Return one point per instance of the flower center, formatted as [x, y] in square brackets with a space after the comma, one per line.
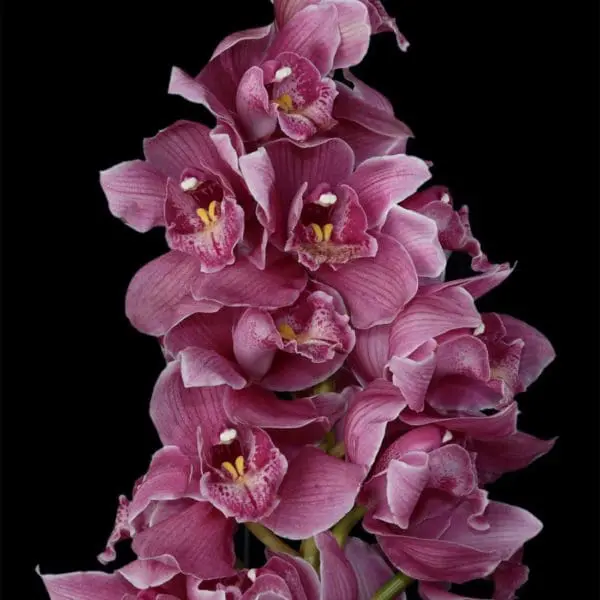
[235, 470]
[209, 217]
[285, 103]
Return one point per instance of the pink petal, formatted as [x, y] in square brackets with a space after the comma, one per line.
[355, 33]
[371, 353]
[499, 425]
[515, 452]
[144, 574]
[171, 476]
[205, 368]
[429, 316]
[260, 408]
[312, 33]
[239, 37]
[438, 591]
[292, 372]
[451, 470]
[268, 586]
[329, 161]
[177, 411]
[135, 191]
[280, 284]
[509, 577]
[255, 111]
[316, 493]
[476, 286]
[366, 421]
[412, 374]
[92, 585]
[375, 289]
[368, 94]
[381, 22]
[537, 353]
[406, 479]
[300, 577]
[384, 181]
[182, 145]
[198, 330]
[419, 235]
[255, 341]
[465, 355]
[286, 9]
[369, 567]
[338, 581]
[199, 539]
[159, 296]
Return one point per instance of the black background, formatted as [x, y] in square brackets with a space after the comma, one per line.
[501, 96]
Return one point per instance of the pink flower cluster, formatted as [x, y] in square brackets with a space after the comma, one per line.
[320, 369]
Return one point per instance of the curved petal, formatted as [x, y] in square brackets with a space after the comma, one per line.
[338, 581]
[451, 470]
[159, 296]
[292, 372]
[369, 567]
[355, 33]
[199, 539]
[371, 353]
[313, 33]
[317, 491]
[144, 574]
[430, 316]
[255, 341]
[499, 425]
[300, 577]
[241, 284]
[375, 289]
[135, 191]
[253, 105]
[260, 408]
[184, 144]
[92, 585]
[412, 375]
[537, 353]
[177, 411]
[419, 235]
[366, 421]
[205, 368]
[384, 181]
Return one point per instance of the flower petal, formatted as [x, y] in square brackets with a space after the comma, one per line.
[451, 470]
[355, 33]
[255, 341]
[375, 289]
[144, 574]
[371, 353]
[300, 577]
[177, 411]
[159, 296]
[366, 421]
[430, 316]
[205, 368]
[135, 191]
[369, 566]
[338, 581]
[384, 181]
[312, 33]
[317, 491]
[419, 235]
[241, 284]
[499, 425]
[412, 374]
[537, 353]
[199, 539]
[255, 111]
[268, 586]
[381, 22]
[92, 585]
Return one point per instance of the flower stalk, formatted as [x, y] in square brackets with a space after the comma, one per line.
[390, 590]
[269, 539]
[342, 529]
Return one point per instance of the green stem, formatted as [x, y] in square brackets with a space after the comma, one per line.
[338, 450]
[310, 553]
[389, 590]
[341, 530]
[269, 539]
